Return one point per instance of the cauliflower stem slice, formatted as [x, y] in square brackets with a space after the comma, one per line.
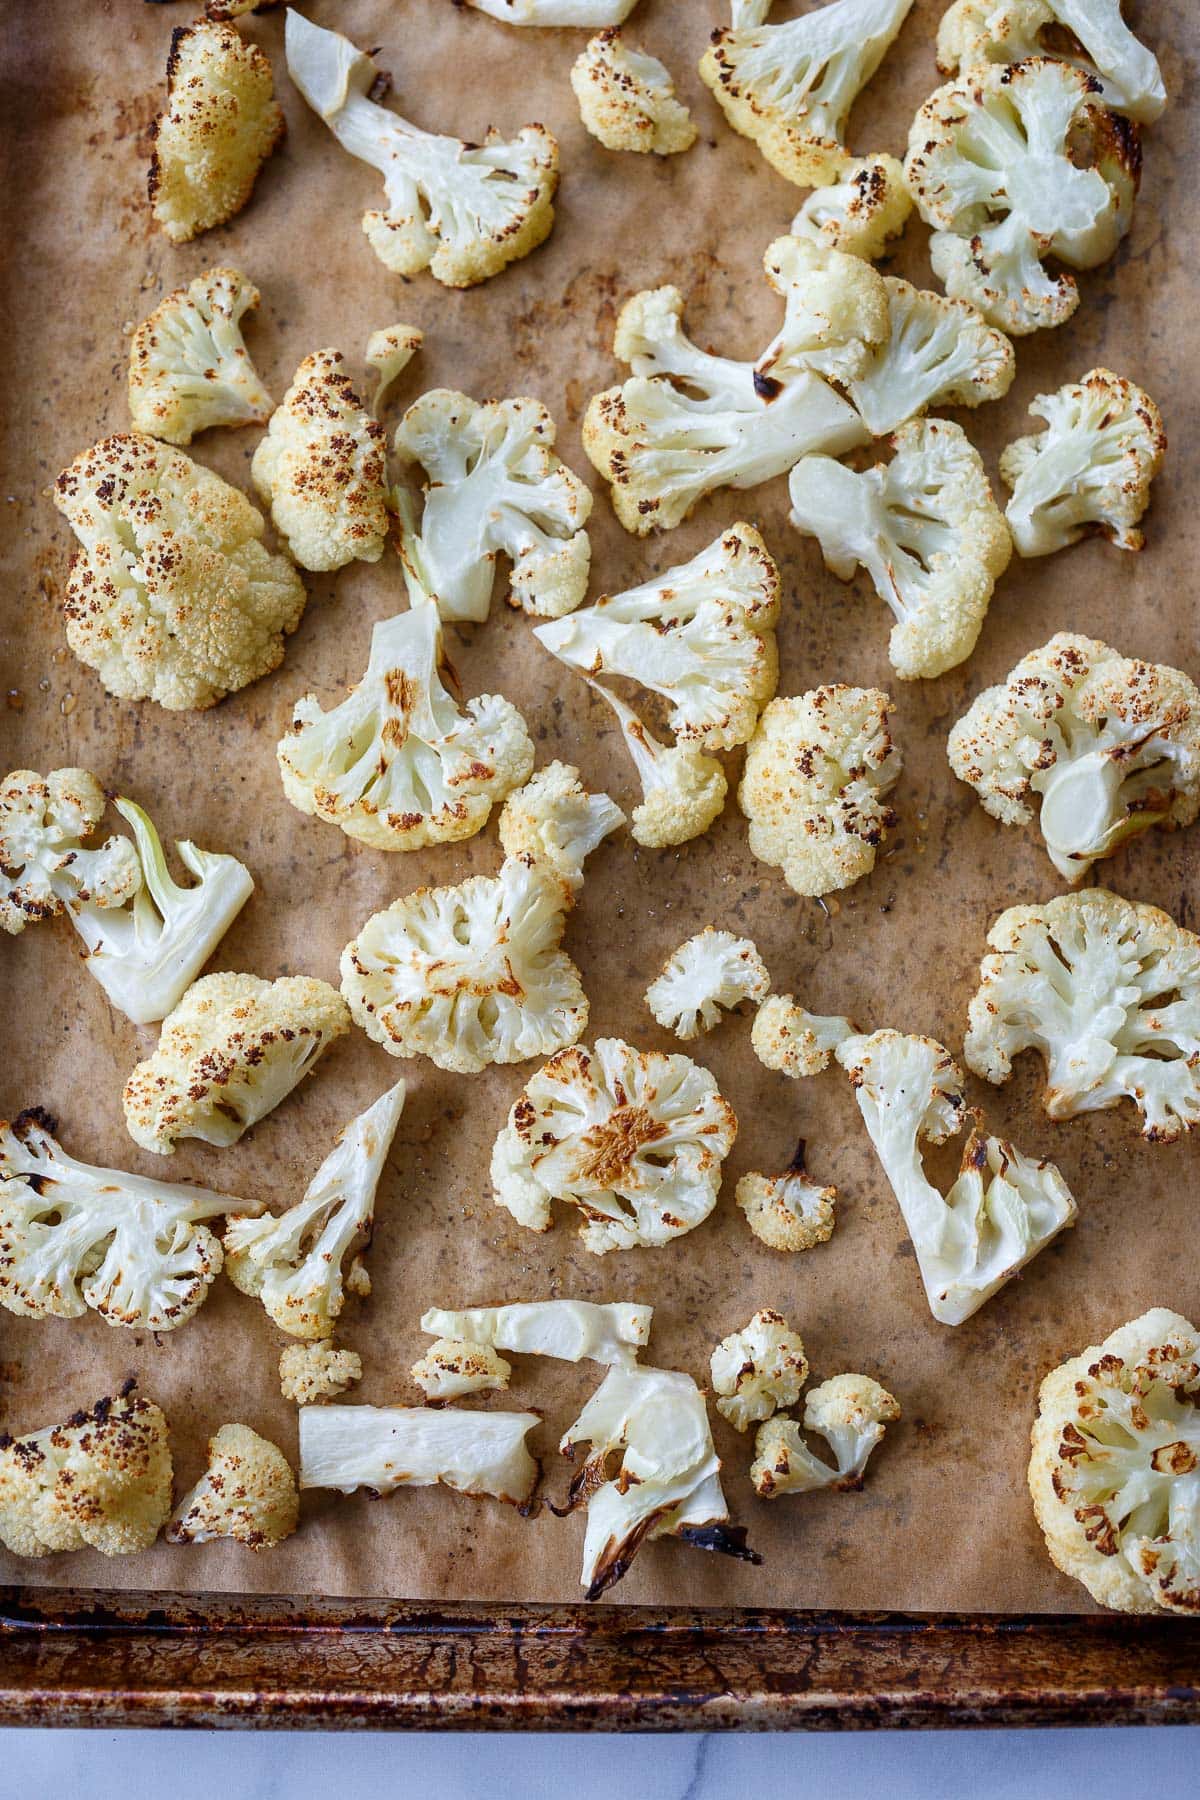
[567, 1329]
[381, 1448]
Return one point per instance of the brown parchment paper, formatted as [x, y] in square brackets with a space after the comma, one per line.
[943, 1521]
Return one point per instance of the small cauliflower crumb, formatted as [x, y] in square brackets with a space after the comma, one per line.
[790, 1211]
[312, 1372]
[711, 972]
[450, 1368]
[758, 1369]
[247, 1493]
[627, 98]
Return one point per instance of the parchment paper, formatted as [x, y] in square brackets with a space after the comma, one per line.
[943, 1521]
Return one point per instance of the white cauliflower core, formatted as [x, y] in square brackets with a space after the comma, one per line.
[790, 87]
[101, 1480]
[688, 422]
[817, 774]
[788, 1212]
[632, 1138]
[850, 1413]
[1090, 470]
[173, 596]
[1011, 164]
[1109, 993]
[1115, 1469]
[795, 1042]
[1002, 1209]
[45, 867]
[1098, 41]
[451, 1368]
[135, 1250]
[569, 1330]
[926, 530]
[701, 635]
[937, 352]
[554, 820]
[1104, 746]
[627, 98]
[757, 1370]
[861, 212]
[247, 1493]
[188, 366]
[469, 975]
[463, 211]
[494, 484]
[682, 789]
[398, 764]
[295, 1262]
[710, 973]
[668, 1483]
[386, 1447]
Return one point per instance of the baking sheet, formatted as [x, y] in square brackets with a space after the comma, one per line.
[943, 1521]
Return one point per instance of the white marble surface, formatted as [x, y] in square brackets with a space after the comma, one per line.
[992, 1765]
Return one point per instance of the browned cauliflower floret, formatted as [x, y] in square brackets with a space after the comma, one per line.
[789, 1211]
[627, 98]
[188, 366]
[44, 865]
[450, 1368]
[247, 1492]
[758, 1369]
[861, 212]
[173, 596]
[220, 124]
[311, 1372]
[102, 1479]
[797, 1043]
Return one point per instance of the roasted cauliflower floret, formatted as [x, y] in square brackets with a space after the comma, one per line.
[850, 1413]
[463, 211]
[627, 98]
[233, 1048]
[397, 764]
[101, 1481]
[236, 9]
[789, 1211]
[494, 484]
[554, 820]
[1011, 164]
[45, 867]
[569, 1330]
[295, 1262]
[1109, 993]
[1116, 1449]
[220, 123]
[925, 529]
[385, 1447]
[1090, 470]
[634, 1139]
[173, 596]
[389, 352]
[451, 1368]
[247, 1493]
[701, 635]
[682, 789]
[861, 212]
[790, 87]
[317, 1371]
[188, 366]
[1109, 745]
[1098, 41]
[757, 1370]
[472, 974]
[797, 1043]
[938, 352]
[817, 774]
[710, 973]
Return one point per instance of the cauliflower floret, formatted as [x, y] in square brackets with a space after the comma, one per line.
[102, 1481]
[72, 1236]
[758, 1369]
[495, 484]
[797, 1043]
[926, 530]
[463, 211]
[236, 9]
[247, 1493]
[397, 764]
[712, 971]
[850, 1413]
[220, 124]
[633, 1138]
[789, 1211]
[1110, 746]
[817, 773]
[173, 596]
[233, 1048]
[588, 13]
[668, 1483]
[451, 1368]
[790, 87]
[385, 1447]
[1013, 164]
[567, 1329]
[389, 352]
[627, 98]
[682, 790]
[472, 974]
[733, 424]
[1113, 1472]
[1090, 469]
[322, 468]
[293, 1262]
[938, 352]
[1007, 31]
[188, 366]
[701, 635]
[44, 865]
[554, 820]
[861, 212]
[1109, 992]
[312, 1372]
